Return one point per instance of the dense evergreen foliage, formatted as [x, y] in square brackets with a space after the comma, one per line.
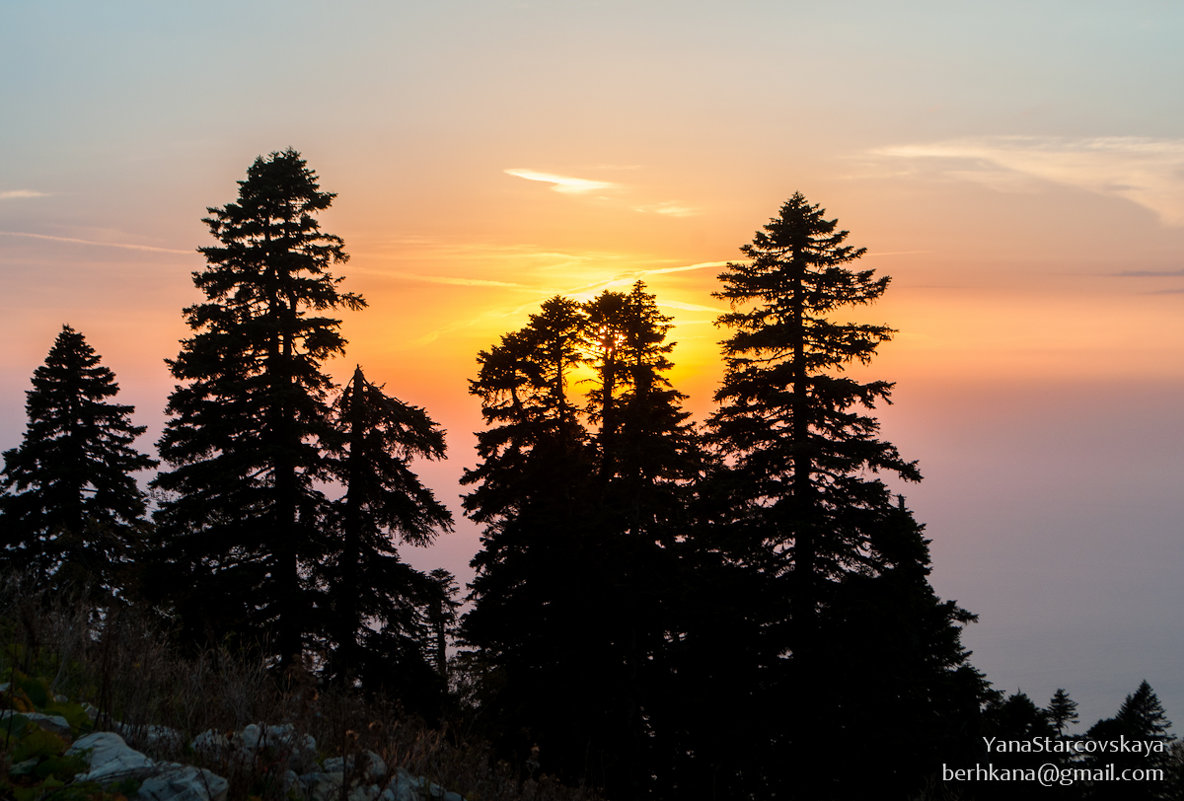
[573, 596]
[809, 517]
[250, 423]
[380, 606]
[739, 612]
[71, 513]
[1061, 710]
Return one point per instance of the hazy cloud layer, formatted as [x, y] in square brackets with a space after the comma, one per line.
[1149, 172]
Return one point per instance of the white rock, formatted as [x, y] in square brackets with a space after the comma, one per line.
[364, 793]
[249, 737]
[404, 787]
[109, 758]
[375, 768]
[322, 786]
[152, 736]
[210, 744]
[301, 749]
[54, 723]
[183, 783]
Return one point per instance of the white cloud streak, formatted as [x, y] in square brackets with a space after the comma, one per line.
[669, 209]
[94, 243]
[568, 185]
[17, 194]
[448, 280]
[562, 183]
[1148, 172]
[548, 286]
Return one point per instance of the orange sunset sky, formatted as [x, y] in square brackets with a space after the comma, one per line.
[1017, 168]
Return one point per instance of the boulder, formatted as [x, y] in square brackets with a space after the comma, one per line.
[54, 723]
[152, 737]
[367, 793]
[321, 786]
[405, 787]
[211, 745]
[110, 759]
[183, 783]
[372, 765]
[298, 750]
[301, 749]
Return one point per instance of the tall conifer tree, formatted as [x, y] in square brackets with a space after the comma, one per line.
[71, 512]
[531, 492]
[648, 459]
[1062, 710]
[574, 593]
[250, 420]
[1140, 718]
[804, 507]
[647, 449]
[380, 606]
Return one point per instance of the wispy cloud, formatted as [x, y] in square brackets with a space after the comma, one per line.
[16, 194]
[1148, 172]
[676, 304]
[668, 209]
[569, 185]
[449, 280]
[562, 183]
[1150, 274]
[96, 243]
[544, 273]
[878, 253]
[703, 265]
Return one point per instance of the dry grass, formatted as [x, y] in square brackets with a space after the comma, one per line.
[123, 664]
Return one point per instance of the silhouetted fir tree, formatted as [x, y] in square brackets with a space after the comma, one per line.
[894, 671]
[442, 616]
[573, 594]
[1172, 788]
[647, 450]
[1141, 717]
[71, 513]
[532, 492]
[799, 492]
[1016, 717]
[709, 713]
[374, 598]
[1013, 718]
[1062, 710]
[648, 457]
[246, 442]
